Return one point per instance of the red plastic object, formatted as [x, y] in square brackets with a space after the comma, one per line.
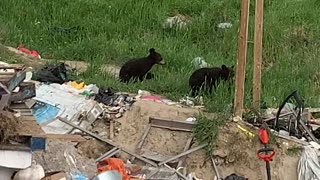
[266, 158]
[263, 136]
[24, 50]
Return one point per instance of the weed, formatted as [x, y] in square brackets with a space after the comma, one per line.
[206, 131]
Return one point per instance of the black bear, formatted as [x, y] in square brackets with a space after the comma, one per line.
[138, 68]
[208, 78]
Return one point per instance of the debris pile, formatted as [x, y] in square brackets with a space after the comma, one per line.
[291, 120]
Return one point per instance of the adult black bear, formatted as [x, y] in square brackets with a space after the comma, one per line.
[208, 78]
[138, 68]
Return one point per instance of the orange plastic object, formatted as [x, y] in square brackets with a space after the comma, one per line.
[113, 164]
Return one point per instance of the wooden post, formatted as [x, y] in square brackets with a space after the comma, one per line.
[242, 55]
[258, 32]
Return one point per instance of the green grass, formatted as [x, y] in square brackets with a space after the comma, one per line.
[105, 31]
[101, 32]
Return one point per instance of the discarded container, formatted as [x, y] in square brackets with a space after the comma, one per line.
[199, 62]
[76, 85]
[108, 175]
[224, 25]
[34, 172]
[144, 93]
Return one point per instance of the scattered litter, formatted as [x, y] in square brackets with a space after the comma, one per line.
[108, 175]
[289, 120]
[192, 176]
[76, 85]
[248, 133]
[224, 25]
[191, 119]
[32, 53]
[233, 176]
[237, 119]
[191, 102]
[70, 104]
[144, 93]
[178, 21]
[34, 172]
[309, 167]
[151, 98]
[52, 74]
[75, 173]
[113, 164]
[199, 62]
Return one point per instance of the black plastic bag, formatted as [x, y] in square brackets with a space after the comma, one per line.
[52, 74]
[233, 176]
[105, 96]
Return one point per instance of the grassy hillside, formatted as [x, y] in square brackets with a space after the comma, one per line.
[112, 31]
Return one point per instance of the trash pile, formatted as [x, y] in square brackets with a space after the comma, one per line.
[290, 121]
[46, 105]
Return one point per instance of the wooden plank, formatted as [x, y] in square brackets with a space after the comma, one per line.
[7, 76]
[242, 56]
[142, 140]
[258, 33]
[182, 160]
[13, 66]
[183, 154]
[27, 91]
[5, 96]
[16, 80]
[18, 106]
[171, 124]
[15, 147]
[66, 137]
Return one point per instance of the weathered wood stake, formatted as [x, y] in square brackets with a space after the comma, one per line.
[242, 55]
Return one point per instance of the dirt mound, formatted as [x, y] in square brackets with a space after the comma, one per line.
[8, 125]
[236, 153]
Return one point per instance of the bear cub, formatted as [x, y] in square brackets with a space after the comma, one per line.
[208, 78]
[137, 69]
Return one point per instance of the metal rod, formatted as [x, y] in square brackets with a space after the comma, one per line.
[182, 154]
[108, 141]
[143, 138]
[106, 154]
[186, 148]
[181, 175]
[215, 168]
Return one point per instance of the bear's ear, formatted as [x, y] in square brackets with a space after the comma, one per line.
[223, 67]
[232, 67]
[152, 50]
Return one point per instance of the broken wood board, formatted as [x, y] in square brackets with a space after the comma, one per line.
[66, 137]
[13, 66]
[171, 124]
[27, 91]
[16, 80]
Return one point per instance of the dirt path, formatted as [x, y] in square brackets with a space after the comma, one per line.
[81, 66]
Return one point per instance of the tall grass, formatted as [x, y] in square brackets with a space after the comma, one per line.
[112, 31]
